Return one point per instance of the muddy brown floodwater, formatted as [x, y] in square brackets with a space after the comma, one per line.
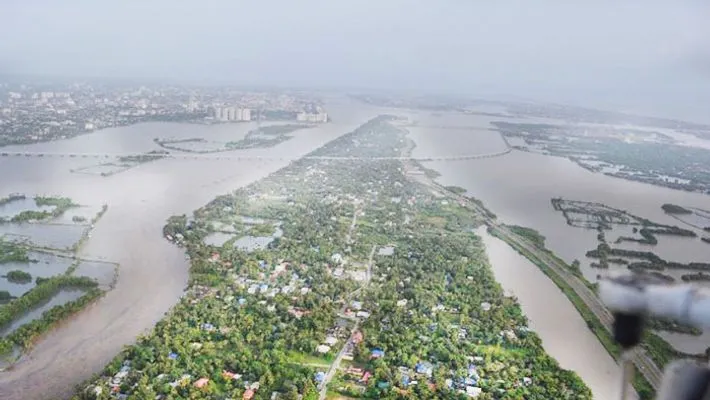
[518, 186]
[152, 273]
[564, 334]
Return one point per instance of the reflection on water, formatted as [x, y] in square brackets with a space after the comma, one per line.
[61, 237]
[63, 297]
[251, 243]
[14, 207]
[47, 265]
[77, 215]
[217, 239]
[246, 243]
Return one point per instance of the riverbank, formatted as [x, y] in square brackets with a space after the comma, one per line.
[424, 310]
[644, 389]
[564, 332]
[153, 272]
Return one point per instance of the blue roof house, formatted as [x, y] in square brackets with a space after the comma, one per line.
[424, 368]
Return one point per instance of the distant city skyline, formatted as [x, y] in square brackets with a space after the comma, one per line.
[649, 57]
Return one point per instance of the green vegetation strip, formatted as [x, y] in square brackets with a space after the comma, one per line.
[60, 204]
[44, 291]
[13, 253]
[433, 300]
[644, 389]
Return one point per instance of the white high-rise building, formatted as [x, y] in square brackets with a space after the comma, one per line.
[231, 114]
[246, 114]
[239, 114]
[312, 117]
[218, 113]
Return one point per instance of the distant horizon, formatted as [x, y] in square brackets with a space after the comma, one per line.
[489, 95]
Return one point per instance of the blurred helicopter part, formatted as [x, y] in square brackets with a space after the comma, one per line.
[642, 294]
[685, 380]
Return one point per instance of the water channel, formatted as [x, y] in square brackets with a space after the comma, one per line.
[152, 272]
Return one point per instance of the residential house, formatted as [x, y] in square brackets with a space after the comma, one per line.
[424, 368]
[202, 382]
[377, 353]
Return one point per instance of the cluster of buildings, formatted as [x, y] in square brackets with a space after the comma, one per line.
[267, 286]
[232, 114]
[318, 117]
[39, 112]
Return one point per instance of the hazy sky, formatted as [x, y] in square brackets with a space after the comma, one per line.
[649, 55]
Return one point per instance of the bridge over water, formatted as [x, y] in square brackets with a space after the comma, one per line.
[236, 157]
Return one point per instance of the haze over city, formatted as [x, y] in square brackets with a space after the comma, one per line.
[341, 200]
[640, 56]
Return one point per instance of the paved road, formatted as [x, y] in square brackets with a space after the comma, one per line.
[641, 360]
[336, 364]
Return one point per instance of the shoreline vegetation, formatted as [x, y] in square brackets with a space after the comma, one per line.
[643, 388]
[60, 204]
[627, 153]
[658, 349]
[321, 298]
[14, 344]
[675, 209]
[124, 163]
[11, 252]
[46, 288]
[262, 137]
[601, 217]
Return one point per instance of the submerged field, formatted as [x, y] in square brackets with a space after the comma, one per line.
[42, 281]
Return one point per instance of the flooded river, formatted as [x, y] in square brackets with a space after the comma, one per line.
[152, 273]
[518, 187]
[564, 333]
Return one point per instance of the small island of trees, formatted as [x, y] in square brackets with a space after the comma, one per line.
[675, 209]
[17, 276]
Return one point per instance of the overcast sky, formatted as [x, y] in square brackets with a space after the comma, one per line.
[650, 56]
